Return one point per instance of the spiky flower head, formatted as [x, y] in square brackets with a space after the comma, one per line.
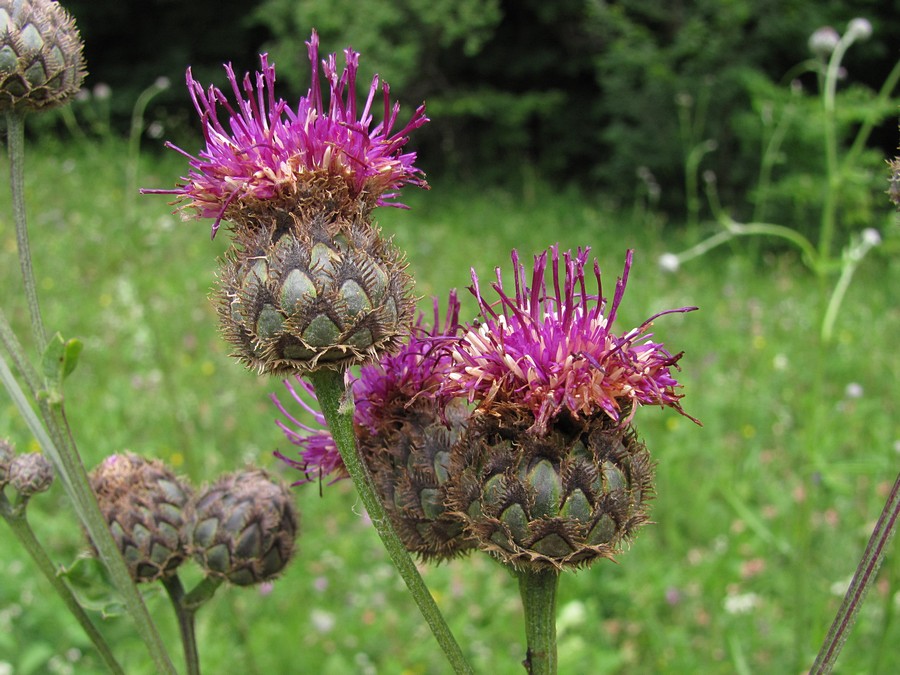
[550, 350]
[41, 61]
[263, 155]
[244, 527]
[562, 499]
[549, 473]
[30, 473]
[301, 295]
[145, 506]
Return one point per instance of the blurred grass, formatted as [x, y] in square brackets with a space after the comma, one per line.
[760, 517]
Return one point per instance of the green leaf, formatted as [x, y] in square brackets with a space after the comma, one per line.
[60, 358]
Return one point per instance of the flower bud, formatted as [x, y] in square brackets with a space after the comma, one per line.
[823, 41]
[41, 62]
[244, 528]
[859, 29]
[144, 504]
[894, 182]
[7, 452]
[301, 295]
[30, 473]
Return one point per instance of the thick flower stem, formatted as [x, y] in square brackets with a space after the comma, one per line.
[329, 389]
[538, 591]
[15, 517]
[15, 133]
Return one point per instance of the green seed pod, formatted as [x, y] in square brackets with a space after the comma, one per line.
[244, 528]
[145, 505]
[7, 452]
[41, 61]
[409, 460]
[554, 501]
[305, 295]
[30, 473]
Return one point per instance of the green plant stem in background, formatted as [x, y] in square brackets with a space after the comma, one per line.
[18, 522]
[61, 452]
[134, 138]
[538, 591]
[863, 579]
[53, 433]
[330, 391]
[15, 131]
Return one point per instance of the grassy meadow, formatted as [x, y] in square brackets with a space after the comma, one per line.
[761, 514]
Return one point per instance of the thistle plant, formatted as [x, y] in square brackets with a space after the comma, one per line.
[309, 285]
[513, 434]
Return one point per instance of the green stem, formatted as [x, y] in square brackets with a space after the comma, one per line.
[330, 390]
[18, 522]
[829, 97]
[538, 591]
[15, 136]
[186, 622]
[61, 450]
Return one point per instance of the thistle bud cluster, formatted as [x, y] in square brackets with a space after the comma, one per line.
[241, 529]
[28, 473]
[309, 282]
[513, 434]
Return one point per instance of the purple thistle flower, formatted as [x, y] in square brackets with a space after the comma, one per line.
[319, 456]
[416, 370]
[267, 153]
[550, 351]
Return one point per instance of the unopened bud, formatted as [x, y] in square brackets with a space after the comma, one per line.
[859, 29]
[30, 474]
[144, 504]
[7, 452]
[823, 41]
[41, 62]
[243, 528]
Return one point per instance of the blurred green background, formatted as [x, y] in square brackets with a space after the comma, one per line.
[543, 116]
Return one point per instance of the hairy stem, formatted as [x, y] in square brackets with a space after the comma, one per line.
[538, 591]
[329, 389]
[863, 579]
[15, 135]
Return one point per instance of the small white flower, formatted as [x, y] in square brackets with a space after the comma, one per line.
[669, 262]
[780, 362]
[854, 390]
[859, 29]
[322, 621]
[871, 236]
[741, 604]
[823, 41]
